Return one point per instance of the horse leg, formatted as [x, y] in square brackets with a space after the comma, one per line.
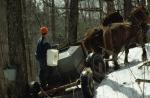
[106, 56]
[126, 54]
[144, 55]
[116, 65]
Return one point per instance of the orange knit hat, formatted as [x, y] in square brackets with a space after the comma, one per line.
[44, 30]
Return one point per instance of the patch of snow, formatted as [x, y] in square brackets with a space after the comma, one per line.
[121, 83]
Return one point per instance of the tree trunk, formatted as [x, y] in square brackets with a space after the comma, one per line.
[73, 21]
[127, 8]
[89, 13]
[16, 42]
[101, 9]
[3, 48]
[110, 6]
[46, 17]
[53, 21]
[30, 35]
[143, 2]
[148, 4]
[66, 17]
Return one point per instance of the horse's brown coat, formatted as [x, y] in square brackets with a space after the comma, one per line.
[117, 35]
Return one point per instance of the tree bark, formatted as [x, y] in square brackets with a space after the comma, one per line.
[3, 48]
[66, 17]
[89, 13]
[73, 21]
[101, 11]
[148, 4]
[30, 27]
[143, 2]
[127, 8]
[53, 31]
[110, 6]
[16, 42]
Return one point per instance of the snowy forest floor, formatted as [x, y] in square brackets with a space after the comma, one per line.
[122, 83]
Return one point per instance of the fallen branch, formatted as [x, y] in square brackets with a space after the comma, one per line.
[142, 80]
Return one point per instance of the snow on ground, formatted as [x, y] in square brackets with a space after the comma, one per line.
[121, 83]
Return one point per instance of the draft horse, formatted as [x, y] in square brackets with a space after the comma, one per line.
[139, 18]
[110, 40]
[94, 37]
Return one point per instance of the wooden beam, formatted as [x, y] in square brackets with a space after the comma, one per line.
[58, 89]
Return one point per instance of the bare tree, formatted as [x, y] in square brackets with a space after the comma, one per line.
[148, 4]
[46, 14]
[73, 21]
[17, 51]
[101, 11]
[127, 8]
[66, 16]
[53, 20]
[143, 2]
[3, 48]
[31, 26]
[89, 13]
[110, 6]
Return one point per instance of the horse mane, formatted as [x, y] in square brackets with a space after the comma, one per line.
[90, 31]
[138, 9]
[138, 15]
[90, 36]
[114, 17]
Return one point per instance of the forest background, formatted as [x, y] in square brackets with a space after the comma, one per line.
[67, 21]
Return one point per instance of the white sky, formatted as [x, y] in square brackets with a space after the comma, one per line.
[57, 2]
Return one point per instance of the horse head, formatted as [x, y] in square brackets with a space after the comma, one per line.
[93, 40]
[139, 16]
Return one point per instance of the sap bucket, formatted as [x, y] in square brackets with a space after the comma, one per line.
[52, 57]
[10, 74]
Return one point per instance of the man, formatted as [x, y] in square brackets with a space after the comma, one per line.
[43, 45]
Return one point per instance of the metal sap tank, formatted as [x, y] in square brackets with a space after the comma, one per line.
[69, 63]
